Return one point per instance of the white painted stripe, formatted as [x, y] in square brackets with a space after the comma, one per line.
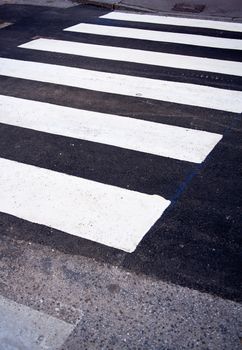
[140, 135]
[137, 56]
[176, 21]
[22, 328]
[194, 95]
[153, 35]
[102, 213]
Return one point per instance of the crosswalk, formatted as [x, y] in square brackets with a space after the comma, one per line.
[152, 35]
[76, 204]
[193, 95]
[175, 21]
[138, 56]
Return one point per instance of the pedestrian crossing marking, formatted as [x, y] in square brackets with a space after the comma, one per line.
[176, 21]
[102, 213]
[183, 93]
[158, 36]
[137, 56]
[135, 134]
[107, 214]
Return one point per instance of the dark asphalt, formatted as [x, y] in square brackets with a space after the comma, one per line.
[196, 243]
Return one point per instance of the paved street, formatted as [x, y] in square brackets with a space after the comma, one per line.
[120, 182]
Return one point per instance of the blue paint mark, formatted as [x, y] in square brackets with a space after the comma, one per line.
[183, 186]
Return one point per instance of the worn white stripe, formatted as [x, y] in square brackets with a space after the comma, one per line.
[102, 213]
[22, 328]
[140, 135]
[153, 35]
[194, 95]
[137, 56]
[176, 21]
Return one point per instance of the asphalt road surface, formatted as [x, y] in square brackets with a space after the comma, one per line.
[120, 156]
